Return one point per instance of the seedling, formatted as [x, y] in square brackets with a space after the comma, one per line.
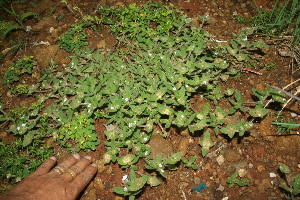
[292, 182]
[7, 27]
[233, 179]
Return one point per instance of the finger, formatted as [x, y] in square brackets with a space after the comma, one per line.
[45, 167]
[62, 167]
[84, 177]
[74, 170]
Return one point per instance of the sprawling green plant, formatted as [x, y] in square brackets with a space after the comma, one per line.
[74, 38]
[143, 89]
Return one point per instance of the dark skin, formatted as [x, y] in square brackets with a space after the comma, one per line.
[65, 182]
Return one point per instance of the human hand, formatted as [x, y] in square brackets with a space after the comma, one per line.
[64, 182]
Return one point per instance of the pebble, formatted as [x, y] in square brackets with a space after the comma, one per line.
[221, 188]
[294, 114]
[260, 168]
[272, 175]
[220, 159]
[242, 173]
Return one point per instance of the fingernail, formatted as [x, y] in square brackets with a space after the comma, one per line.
[52, 158]
[76, 156]
[94, 165]
[88, 157]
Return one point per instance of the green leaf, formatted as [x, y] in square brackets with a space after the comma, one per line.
[206, 143]
[284, 168]
[153, 181]
[118, 190]
[8, 29]
[128, 159]
[258, 111]
[28, 139]
[174, 158]
[229, 130]
[27, 15]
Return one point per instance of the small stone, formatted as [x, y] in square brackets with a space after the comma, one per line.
[220, 159]
[221, 188]
[250, 165]
[285, 52]
[260, 168]
[294, 114]
[242, 172]
[51, 29]
[272, 175]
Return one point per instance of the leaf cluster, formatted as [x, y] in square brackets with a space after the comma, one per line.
[292, 183]
[75, 38]
[22, 66]
[233, 179]
[18, 161]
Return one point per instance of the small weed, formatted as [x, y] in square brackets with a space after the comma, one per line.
[233, 179]
[74, 38]
[17, 161]
[284, 20]
[285, 127]
[269, 66]
[7, 27]
[22, 66]
[292, 182]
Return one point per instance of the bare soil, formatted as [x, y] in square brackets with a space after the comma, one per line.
[257, 154]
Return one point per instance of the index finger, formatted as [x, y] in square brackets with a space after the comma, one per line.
[45, 167]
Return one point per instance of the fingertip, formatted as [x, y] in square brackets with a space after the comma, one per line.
[53, 158]
[94, 165]
[46, 166]
[76, 156]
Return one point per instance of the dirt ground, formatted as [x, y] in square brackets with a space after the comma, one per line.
[256, 155]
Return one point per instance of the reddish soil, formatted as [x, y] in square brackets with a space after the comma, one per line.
[258, 154]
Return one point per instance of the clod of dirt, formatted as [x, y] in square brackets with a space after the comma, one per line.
[98, 183]
[90, 194]
[290, 144]
[159, 145]
[264, 185]
[183, 145]
[45, 24]
[101, 166]
[231, 155]
[44, 54]
[101, 44]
